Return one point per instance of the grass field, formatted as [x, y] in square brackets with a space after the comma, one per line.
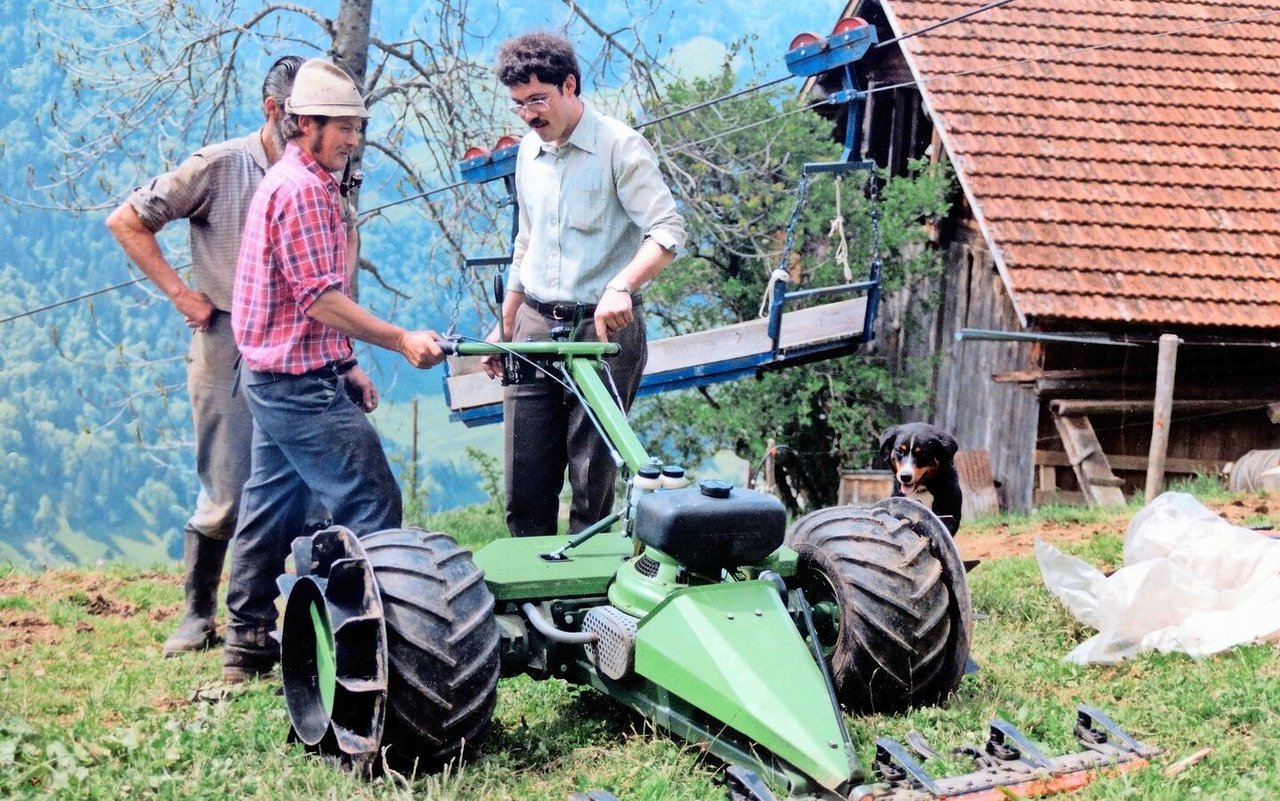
[89, 710]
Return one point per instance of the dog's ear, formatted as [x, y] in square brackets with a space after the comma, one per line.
[948, 443]
[887, 439]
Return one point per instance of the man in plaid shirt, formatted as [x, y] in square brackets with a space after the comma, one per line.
[294, 322]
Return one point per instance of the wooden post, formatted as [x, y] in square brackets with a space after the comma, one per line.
[1166, 367]
[770, 468]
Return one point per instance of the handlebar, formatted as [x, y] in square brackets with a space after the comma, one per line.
[532, 350]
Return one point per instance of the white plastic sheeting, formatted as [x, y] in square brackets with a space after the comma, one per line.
[1191, 582]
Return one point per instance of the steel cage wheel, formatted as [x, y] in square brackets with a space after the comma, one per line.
[333, 656]
[308, 666]
[389, 648]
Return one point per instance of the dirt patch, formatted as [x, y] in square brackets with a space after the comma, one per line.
[76, 582]
[59, 582]
[23, 629]
[1018, 539]
[168, 704]
[1003, 540]
[167, 612]
[1250, 508]
[100, 605]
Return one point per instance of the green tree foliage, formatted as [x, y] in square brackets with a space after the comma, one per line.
[739, 186]
[95, 442]
[87, 428]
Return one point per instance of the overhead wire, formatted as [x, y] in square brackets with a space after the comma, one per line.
[733, 95]
[672, 115]
[943, 23]
[712, 102]
[69, 301]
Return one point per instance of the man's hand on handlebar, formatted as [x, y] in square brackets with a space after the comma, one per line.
[420, 348]
[492, 364]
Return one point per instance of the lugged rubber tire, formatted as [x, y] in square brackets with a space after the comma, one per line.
[442, 647]
[900, 636]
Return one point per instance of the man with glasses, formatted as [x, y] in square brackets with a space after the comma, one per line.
[597, 221]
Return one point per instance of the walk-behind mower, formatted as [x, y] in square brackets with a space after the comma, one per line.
[694, 605]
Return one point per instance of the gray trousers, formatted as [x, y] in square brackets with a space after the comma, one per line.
[223, 429]
[547, 432]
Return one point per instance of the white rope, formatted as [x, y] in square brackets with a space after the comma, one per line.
[837, 233]
[774, 277]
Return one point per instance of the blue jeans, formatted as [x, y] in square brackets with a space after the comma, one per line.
[307, 433]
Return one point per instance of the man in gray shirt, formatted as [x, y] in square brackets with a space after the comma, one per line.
[597, 221]
[211, 190]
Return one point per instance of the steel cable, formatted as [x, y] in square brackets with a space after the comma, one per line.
[704, 104]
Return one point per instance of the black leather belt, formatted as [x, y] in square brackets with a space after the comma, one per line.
[561, 312]
[340, 367]
[564, 312]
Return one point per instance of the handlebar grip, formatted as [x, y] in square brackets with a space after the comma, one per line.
[530, 350]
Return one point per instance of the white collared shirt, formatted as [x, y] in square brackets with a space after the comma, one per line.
[585, 209]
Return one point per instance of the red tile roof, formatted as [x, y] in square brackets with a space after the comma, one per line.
[1122, 156]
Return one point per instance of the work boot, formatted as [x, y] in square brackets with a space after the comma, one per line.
[248, 654]
[202, 559]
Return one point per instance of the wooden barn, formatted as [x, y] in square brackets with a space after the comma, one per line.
[1119, 162]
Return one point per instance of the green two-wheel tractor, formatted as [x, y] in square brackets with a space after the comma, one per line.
[696, 606]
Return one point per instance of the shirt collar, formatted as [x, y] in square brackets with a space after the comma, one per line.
[585, 134]
[293, 151]
[253, 143]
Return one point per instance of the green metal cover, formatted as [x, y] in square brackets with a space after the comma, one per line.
[733, 651]
[326, 661]
[514, 570]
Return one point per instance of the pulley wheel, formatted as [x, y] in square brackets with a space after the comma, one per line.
[803, 40]
[848, 24]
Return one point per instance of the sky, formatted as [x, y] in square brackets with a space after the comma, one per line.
[695, 31]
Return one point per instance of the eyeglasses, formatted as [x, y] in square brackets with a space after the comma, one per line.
[536, 106]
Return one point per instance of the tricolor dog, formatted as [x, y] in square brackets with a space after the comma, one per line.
[921, 456]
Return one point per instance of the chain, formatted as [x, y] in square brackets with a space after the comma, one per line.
[457, 301]
[873, 194]
[802, 193]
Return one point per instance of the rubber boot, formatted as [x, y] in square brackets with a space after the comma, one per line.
[248, 654]
[202, 557]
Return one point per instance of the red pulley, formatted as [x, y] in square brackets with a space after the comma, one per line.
[506, 141]
[475, 151]
[848, 24]
[803, 40]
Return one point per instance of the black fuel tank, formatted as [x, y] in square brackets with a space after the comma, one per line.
[712, 526]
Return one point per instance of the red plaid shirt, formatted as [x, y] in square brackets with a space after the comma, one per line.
[294, 249]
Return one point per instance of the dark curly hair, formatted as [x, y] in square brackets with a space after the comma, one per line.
[548, 57]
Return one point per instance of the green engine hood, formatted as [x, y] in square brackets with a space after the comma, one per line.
[733, 651]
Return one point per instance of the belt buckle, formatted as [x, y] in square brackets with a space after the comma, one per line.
[561, 313]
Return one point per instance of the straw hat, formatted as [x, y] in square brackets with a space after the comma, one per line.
[323, 89]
